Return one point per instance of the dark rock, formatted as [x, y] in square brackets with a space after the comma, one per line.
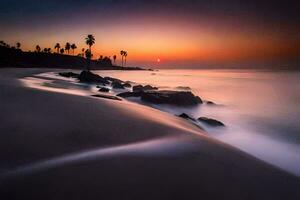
[89, 77]
[139, 88]
[107, 97]
[183, 88]
[186, 116]
[130, 94]
[117, 85]
[130, 82]
[113, 79]
[210, 103]
[103, 89]
[69, 74]
[179, 98]
[127, 85]
[149, 87]
[211, 122]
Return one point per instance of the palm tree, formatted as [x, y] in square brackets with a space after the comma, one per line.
[88, 55]
[90, 41]
[68, 47]
[115, 57]
[62, 51]
[122, 52]
[38, 48]
[18, 45]
[57, 46]
[82, 51]
[125, 55]
[73, 47]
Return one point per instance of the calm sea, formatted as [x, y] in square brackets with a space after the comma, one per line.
[261, 109]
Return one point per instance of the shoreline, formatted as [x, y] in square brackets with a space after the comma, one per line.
[41, 125]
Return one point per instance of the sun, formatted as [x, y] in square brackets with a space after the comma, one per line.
[158, 60]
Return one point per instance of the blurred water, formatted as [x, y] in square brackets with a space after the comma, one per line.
[261, 109]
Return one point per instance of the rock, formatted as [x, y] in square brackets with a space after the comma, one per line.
[89, 77]
[186, 116]
[129, 94]
[183, 88]
[117, 85]
[179, 98]
[139, 88]
[107, 97]
[211, 122]
[103, 89]
[69, 74]
[113, 79]
[127, 85]
[210, 103]
[149, 87]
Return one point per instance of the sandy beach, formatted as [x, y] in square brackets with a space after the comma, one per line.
[64, 146]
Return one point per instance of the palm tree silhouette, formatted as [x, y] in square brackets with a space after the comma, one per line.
[88, 55]
[57, 46]
[122, 52]
[62, 51]
[38, 48]
[115, 57]
[82, 51]
[90, 41]
[125, 55]
[18, 45]
[68, 47]
[73, 47]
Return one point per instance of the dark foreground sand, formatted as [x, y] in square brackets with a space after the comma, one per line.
[62, 146]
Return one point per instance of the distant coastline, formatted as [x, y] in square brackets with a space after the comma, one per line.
[16, 58]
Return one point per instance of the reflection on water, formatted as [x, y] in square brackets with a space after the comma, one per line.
[261, 110]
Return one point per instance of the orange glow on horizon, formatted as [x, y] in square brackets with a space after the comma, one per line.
[172, 43]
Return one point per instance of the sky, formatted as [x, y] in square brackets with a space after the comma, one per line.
[181, 34]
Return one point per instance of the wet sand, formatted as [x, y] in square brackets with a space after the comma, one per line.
[65, 146]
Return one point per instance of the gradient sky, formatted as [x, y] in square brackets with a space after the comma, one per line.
[190, 33]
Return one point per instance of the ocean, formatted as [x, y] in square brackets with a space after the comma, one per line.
[261, 109]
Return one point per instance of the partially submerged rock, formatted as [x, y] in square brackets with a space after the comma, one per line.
[128, 85]
[113, 79]
[186, 116]
[89, 77]
[139, 88]
[179, 98]
[129, 94]
[183, 88]
[68, 74]
[103, 89]
[107, 97]
[210, 103]
[117, 85]
[211, 122]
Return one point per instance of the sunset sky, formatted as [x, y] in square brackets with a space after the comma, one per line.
[190, 33]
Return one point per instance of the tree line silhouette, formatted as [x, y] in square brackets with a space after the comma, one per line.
[87, 53]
